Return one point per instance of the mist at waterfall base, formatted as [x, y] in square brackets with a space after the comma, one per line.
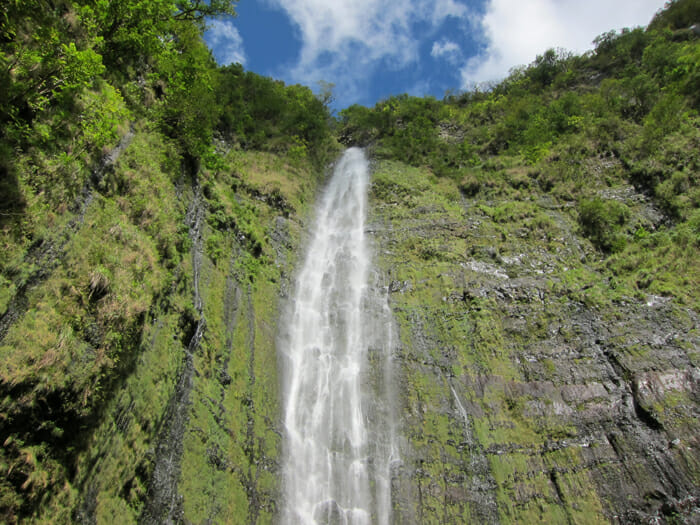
[336, 360]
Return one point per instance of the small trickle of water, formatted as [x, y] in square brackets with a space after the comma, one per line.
[338, 416]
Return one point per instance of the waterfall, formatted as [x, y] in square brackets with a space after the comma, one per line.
[339, 427]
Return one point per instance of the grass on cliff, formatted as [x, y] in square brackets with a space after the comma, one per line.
[611, 137]
[483, 279]
[232, 447]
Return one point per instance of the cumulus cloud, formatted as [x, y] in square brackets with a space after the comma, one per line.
[345, 41]
[516, 31]
[226, 42]
[446, 49]
[447, 8]
[353, 42]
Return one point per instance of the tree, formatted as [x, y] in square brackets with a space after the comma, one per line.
[677, 14]
[325, 92]
[199, 10]
[546, 67]
[135, 30]
[43, 54]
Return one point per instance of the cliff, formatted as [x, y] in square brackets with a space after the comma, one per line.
[532, 391]
[539, 243]
[138, 356]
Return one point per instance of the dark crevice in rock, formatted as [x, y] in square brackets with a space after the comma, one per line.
[274, 199]
[646, 416]
[251, 481]
[554, 479]
[163, 502]
[45, 256]
[420, 474]
[643, 415]
[87, 512]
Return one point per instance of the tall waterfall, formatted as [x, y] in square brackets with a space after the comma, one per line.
[336, 362]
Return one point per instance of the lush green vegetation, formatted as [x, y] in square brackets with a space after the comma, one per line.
[113, 113]
[76, 76]
[115, 117]
[580, 128]
[75, 73]
[545, 225]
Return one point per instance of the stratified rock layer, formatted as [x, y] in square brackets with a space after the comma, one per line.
[531, 390]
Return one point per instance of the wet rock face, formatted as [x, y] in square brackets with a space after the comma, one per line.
[164, 503]
[530, 393]
[147, 392]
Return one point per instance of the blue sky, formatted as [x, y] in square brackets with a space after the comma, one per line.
[371, 49]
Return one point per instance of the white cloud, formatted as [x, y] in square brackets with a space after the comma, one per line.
[226, 42]
[348, 42]
[447, 50]
[345, 41]
[516, 31]
[446, 8]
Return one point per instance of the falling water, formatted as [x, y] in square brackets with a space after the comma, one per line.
[337, 367]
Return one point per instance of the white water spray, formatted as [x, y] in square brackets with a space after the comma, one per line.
[338, 416]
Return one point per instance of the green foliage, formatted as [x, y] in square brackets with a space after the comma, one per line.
[52, 52]
[663, 119]
[102, 113]
[632, 103]
[264, 114]
[134, 31]
[601, 221]
[106, 279]
[359, 124]
[41, 61]
[188, 110]
[677, 14]
[414, 140]
[674, 192]
[616, 51]
[547, 66]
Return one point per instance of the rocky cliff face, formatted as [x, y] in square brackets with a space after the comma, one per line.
[532, 391]
[139, 368]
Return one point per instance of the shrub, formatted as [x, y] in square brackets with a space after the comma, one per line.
[470, 185]
[601, 221]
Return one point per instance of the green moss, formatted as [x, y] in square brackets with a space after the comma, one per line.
[480, 239]
[233, 443]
